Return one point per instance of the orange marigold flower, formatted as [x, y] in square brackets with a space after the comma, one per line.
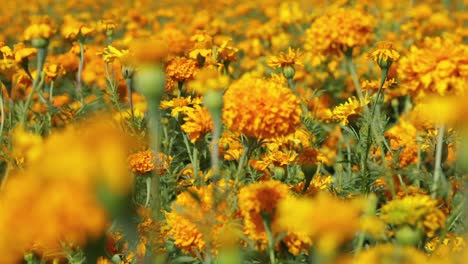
[181, 68]
[261, 108]
[196, 219]
[346, 111]
[438, 66]
[145, 161]
[285, 59]
[257, 199]
[339, 30]
[384, 55]
[197, 122]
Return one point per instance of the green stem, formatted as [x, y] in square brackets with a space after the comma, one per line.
[217, 127]
[271, 239]
[438, 160]
[155, 138]
[51, 91]
[148, 191]
[130, 97]
[364, 159]
[41, 55]
[293, 88]
[80, 67]
[247, 151]
[352, 71]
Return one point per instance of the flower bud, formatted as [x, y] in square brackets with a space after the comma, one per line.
[288, 72]
[213, 100]
[149, 81]
[39, 43]
[407, 236]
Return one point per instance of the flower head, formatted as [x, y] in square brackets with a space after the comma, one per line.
[145, 161]
[384, 55]
[339, 30]
[260, 108]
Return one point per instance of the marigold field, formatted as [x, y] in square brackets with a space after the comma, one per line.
[233, 131]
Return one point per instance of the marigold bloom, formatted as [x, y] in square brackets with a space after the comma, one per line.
[67, 213]
[451, 244]
[419, 211]
[285, 59]
[181, 69]
[339, 30]
[389, 253]
[196, 219]
[197, 122]
[257, 199]
[384, 55]
[35, 31]
[145, 161]
[260, 108]
[208, 79]
[110, 53]
[73, 29]
[351, 108]
[438, 66]
[327, 220]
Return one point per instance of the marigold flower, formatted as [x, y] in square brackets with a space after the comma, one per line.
[384, 55]
[438, 66]
[181, 69]
[327, 220]
[110, 53]
[145, 161]
[36, 31]
[260, 108]
[196, 219]
[285, 59]
[351, 108]
[208, 79]
[339, 30]
[419, 211]
[73, 29]
[389, 253]
[180, 104]
[257, 199]
[197, 122]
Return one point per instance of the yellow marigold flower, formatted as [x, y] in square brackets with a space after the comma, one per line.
[403, 134]
[196, 219]
[327, 220]
[144, 51]
[22, 53]
[180, 104]
[227, 53]
[74, 29]
[339, 30]
[373, 226]
[367, 85]
[449, 245]
[27, 146]
[420, 211]
[348, 110]
[208, 79]
[310, 156]
[319, 183]
[260, 108]
[202, 46]
[290, 12]
[145, 161]
[389, 253]
[197, 122]
[230, 146]
[181, 69]
[285, 59]
[257, 199]
[36, 31]
[384, 55]
[438, 66]
[54, 205]
[110, 53]
[52, 71]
